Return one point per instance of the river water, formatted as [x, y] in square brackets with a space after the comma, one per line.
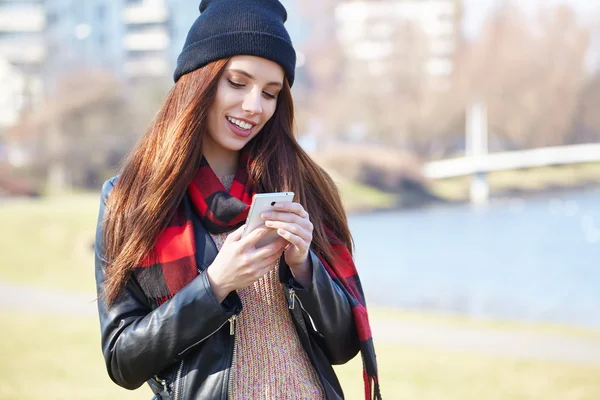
[533, 260]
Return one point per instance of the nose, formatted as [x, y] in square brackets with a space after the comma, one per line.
[252, 102]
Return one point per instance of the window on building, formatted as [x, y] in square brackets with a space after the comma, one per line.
[144, 54]
[144, 27]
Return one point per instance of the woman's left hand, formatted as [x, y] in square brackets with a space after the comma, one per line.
[292, 223]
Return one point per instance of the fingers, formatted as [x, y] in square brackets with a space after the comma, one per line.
[291, 207]
[291, 228]
[262, 266]
[274, 248]
[295, 240]
[288, 217]
[292, 223]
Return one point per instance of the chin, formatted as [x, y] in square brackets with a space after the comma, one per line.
[235, 145]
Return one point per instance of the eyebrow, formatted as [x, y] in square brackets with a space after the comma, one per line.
[241, 71]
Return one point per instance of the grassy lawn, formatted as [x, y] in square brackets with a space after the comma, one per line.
[59, 358]
[359, 197]
[48, 241]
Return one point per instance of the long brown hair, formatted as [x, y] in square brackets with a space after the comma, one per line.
[156, 174]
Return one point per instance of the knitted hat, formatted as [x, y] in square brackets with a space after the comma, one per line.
[227, 28]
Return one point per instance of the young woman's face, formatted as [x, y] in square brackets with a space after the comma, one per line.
[246, 99]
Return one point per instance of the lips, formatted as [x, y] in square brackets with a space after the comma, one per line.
[238, 131]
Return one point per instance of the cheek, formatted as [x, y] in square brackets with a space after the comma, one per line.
[269, 109]
[225, 98]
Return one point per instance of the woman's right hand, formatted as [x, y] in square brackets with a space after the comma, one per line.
[239, 263]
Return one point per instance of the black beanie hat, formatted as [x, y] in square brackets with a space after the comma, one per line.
[227, 28]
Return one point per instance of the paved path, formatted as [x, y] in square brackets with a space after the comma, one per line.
[15, 297]
[511, 343]
[541, 346]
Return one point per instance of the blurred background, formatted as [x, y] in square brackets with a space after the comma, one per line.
[463, 134]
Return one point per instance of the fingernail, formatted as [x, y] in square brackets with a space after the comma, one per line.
[265, 215]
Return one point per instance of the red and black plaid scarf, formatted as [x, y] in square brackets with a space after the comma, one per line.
[343, 272]
[172, 263]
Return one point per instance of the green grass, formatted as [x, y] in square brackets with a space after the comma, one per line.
[432, 374]
[357, 197]
[48, 241]
[59, 358]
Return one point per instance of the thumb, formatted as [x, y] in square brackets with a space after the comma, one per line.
[236, 235]
[253, 237]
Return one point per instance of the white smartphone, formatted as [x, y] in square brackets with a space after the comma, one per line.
[262, 202]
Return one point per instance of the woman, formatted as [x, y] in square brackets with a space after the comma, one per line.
[186, 303]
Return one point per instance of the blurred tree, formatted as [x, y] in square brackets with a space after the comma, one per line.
[586, 125]
[531, 74]
[393, 99]
[84, 129]
[323, 68]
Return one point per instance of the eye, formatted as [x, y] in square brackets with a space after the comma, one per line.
[269, 95]
[235, 84]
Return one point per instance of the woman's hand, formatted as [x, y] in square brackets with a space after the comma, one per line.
[292, 223]
[239, 263]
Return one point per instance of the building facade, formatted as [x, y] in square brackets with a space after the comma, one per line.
[12, 99]
[82, 35]
[22, 50]
[147, 38]
[385, 33]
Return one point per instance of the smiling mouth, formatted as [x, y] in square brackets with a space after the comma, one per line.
[240, 124]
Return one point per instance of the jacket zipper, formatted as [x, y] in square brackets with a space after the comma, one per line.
[177, 379]
[232, 333]
[292, 304]
[231, 320]
[203, 339]
[163, 382]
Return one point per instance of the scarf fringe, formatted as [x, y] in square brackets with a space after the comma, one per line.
[377, 391]
[372, 390]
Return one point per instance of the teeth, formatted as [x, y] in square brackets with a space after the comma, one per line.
[241, 124]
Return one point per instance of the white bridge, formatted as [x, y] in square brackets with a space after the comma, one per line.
[470, 165]
[478, 161]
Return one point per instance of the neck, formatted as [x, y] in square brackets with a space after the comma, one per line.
[222, 162]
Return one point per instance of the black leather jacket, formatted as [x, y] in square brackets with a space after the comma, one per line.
[185, 346]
